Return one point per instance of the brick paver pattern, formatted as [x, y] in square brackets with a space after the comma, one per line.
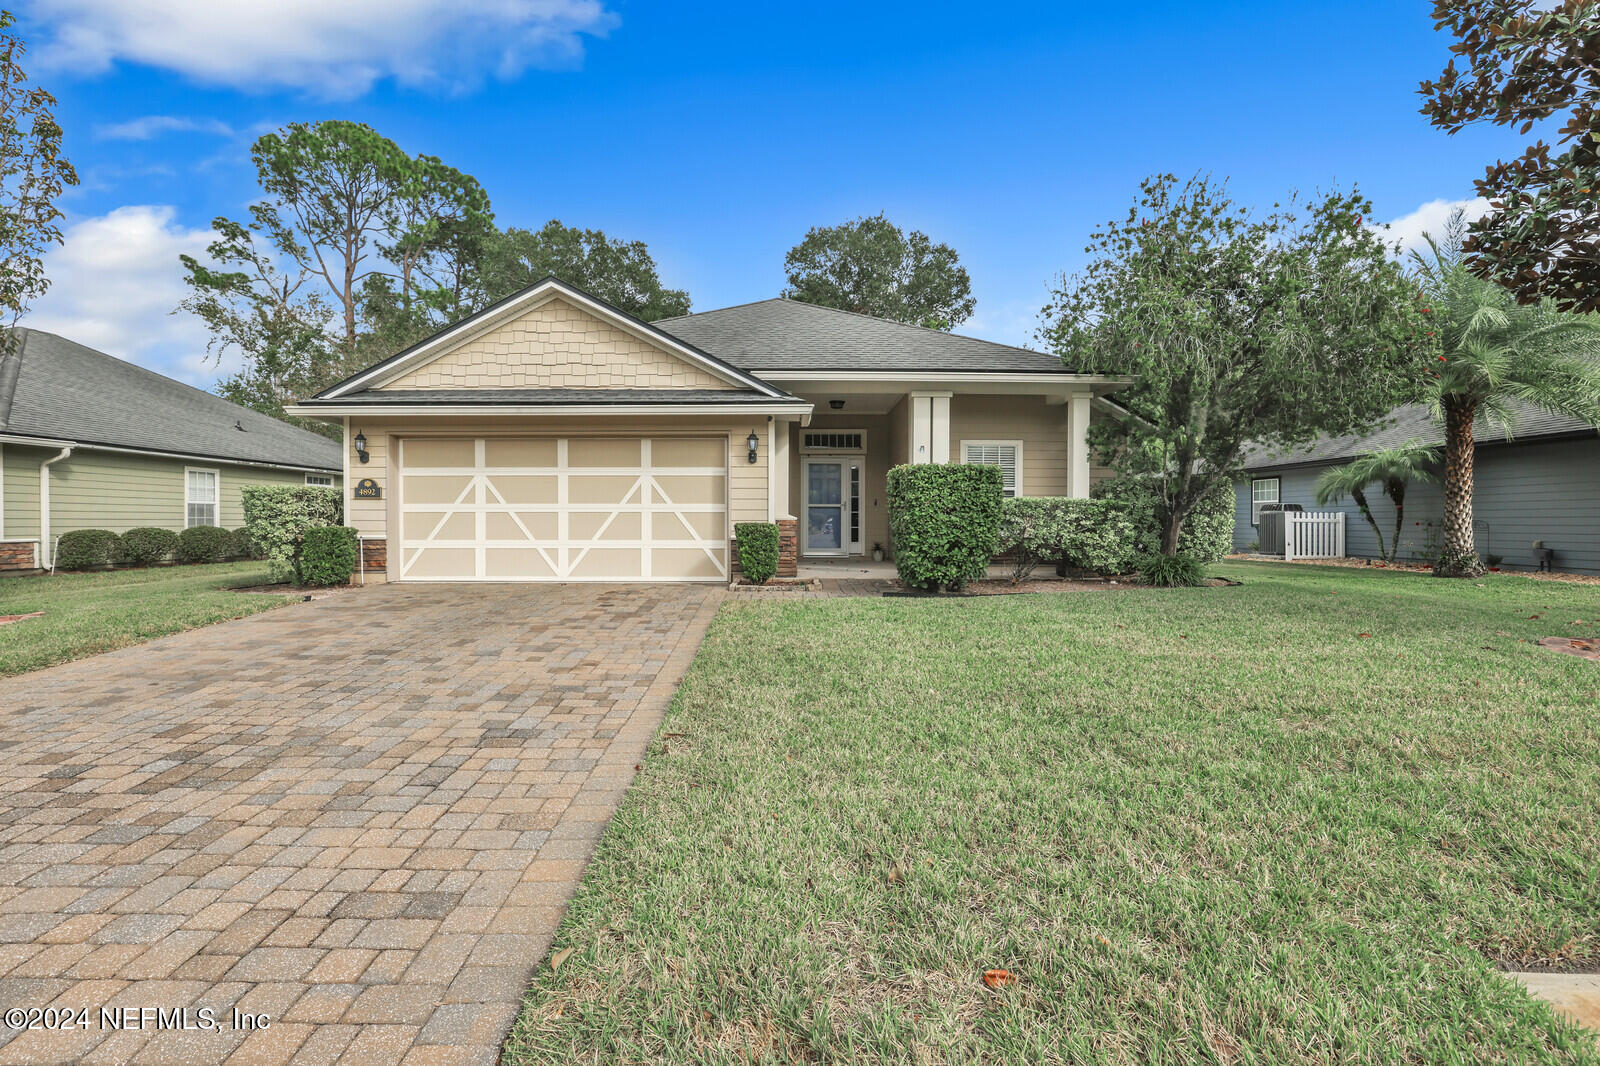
[362, 817]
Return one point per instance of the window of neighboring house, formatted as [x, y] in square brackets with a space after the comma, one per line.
[1006, 454]
[320, 479]
[1262, 490]
[200, 497]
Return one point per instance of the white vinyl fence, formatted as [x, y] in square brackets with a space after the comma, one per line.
[1313, 536]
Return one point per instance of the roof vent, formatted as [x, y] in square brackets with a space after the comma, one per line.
[238, 425]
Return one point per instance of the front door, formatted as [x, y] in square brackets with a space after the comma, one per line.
[827, 517]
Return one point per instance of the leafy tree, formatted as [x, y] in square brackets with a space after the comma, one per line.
[251, 306]
[1493, 353]
[1521, 65]
[622, 273]
[32, 174]
[432, 205]
[873, 268]
[1390, 468]
[1235, 327]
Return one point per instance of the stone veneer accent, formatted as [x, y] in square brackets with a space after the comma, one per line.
[19, 555]
[788, 547]
[375, 555]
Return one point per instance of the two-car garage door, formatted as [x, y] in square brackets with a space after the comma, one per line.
[563, 509]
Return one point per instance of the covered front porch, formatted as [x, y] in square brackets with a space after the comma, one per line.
[831, 472]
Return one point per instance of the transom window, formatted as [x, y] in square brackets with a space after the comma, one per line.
[200, 497]
[837, 440]
[1262, 490]
[320, 479]
[1006, 454]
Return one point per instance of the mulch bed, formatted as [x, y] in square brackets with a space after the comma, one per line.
[776, 584]
[1582, 647]
[286, 589]
[1422, 568]
[7, 619]
[1002, 587]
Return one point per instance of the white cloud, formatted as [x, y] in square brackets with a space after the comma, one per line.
[1430, 218]
[148, 127]
[332, 48]
[115, 281]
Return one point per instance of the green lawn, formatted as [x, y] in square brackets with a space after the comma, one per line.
[89, 613]
[1200, 826]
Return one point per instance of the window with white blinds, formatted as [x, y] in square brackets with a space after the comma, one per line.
[200, 498]
[1006, 454]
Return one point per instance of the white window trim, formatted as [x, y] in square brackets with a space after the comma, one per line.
[1255, 504]
[216, 496]
[326, 481]
[818, 450]
[1017, 444]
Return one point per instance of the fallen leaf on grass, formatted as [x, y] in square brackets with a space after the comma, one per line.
[559, 957]
[1363, 634]
[999, 978]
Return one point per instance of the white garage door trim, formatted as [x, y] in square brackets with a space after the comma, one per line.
[563, 554]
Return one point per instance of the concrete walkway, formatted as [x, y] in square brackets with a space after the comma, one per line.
[360, 818]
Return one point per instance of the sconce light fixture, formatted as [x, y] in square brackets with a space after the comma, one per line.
[361, 446]
[837, 405]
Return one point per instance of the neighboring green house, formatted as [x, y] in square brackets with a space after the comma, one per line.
[88, 441]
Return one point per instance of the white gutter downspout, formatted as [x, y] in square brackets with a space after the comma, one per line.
[44, 504]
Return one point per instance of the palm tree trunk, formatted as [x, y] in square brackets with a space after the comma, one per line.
[1397, 493]
[1366, 512]
[1459, 557]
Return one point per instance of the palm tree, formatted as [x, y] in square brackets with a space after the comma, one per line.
[1493, 354]
[1391, 468]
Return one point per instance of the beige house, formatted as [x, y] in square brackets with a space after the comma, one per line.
[552, 437]
[88, 441]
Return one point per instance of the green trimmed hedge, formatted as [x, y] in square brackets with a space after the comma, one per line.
[243, 547]
[327, 556]
[758, 550]
[146, 545]
[87, 549]
[204, 544]
[1207, 534]
[1097, 535]
[277, 518]
[945, 522]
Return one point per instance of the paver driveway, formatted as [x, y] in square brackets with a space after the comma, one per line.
[361, 817]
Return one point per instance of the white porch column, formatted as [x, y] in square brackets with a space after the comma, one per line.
[779, 475]
[1078, 445]
[930, 426]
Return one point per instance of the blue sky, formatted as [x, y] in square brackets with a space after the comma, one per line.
[719, 133]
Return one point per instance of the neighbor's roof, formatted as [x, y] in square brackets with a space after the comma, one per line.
[1414, 422]
[779, 334]
[55, 389]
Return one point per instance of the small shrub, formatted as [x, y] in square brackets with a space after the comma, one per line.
[1171, 571]
[944, 521]
[327, 556]
[147, 545]
[87, 549]
[205, 544]
[758, 550]
[242, 547]
[278, 517]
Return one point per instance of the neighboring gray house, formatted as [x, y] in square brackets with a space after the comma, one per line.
[89, 441]
[1542, 485]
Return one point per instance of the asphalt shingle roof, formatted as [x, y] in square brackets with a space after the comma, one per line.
[780, 334]
[1414, 422]
[55, 388]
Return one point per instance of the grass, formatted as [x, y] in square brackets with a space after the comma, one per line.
[85, 614]
[1299, 820]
